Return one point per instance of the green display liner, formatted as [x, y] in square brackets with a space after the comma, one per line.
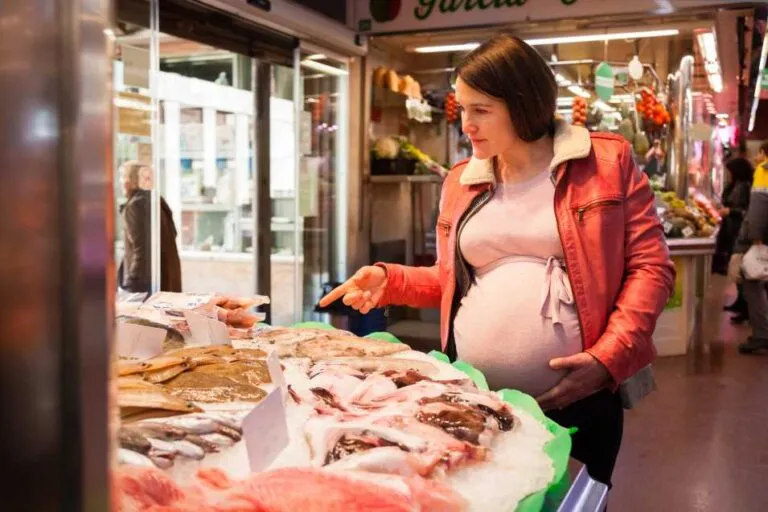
[558, 448]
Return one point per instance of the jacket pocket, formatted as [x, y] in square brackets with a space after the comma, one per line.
[596, 206]
[443, 233]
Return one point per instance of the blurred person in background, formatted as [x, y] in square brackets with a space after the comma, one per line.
[754, 231]
[735, 204]
[134, 274]
[654, 160]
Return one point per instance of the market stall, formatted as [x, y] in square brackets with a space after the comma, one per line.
[639, 84]
[215, 408]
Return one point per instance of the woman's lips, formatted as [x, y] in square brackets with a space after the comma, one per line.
[477, 141]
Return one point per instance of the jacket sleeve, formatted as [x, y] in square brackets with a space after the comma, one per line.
[741, 201]
[136, 275]
[626, 346]
[417, 287]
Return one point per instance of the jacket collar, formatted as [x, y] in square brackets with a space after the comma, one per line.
[570, 143]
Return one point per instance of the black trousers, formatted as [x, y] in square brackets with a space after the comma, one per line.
[600, 420]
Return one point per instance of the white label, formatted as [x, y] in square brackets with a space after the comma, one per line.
[668, 227]
[688, 232]
[207, 331]
[140, 341]
[276, 372]
[135, 67]
[265, 431]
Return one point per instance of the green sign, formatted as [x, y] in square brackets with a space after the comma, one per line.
[604, 81]
[427, 7]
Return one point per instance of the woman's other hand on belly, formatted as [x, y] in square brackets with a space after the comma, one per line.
[585, 376]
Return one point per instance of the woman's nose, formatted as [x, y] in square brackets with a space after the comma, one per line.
[466, 125]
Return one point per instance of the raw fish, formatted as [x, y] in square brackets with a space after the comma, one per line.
[125, 456]
[133, 440]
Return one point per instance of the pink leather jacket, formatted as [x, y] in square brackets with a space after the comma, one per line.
[615, 252]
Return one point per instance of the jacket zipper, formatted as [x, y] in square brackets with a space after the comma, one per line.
[594, 204]
[461, 287]
[565, 258]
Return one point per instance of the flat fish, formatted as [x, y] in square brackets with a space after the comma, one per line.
[126, 456]
[211, 388]
[164, 374]
[153, 398]
[253, 373]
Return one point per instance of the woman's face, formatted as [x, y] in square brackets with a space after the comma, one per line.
[485, 120]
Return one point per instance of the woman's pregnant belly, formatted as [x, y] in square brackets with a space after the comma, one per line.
[500, 329]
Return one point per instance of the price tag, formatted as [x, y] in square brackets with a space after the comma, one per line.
[138, 341]
[276, 372]
[667, 227]
[688, 232]
[265, 431]
[207, 331]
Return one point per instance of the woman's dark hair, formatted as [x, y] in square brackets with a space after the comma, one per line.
[764, 147]
[506, 68]
[741, 169]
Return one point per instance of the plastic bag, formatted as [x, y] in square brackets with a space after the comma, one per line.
[755, 263]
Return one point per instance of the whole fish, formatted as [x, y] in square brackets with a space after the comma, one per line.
[125, 456]
[160, 461]
[207, 446]
[219, 440]
[163, 448]
[231, 420]
[188, 450]
[132, 440]
[160, 431]
[193, 424]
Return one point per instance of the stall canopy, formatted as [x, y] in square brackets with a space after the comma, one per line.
[394, 16]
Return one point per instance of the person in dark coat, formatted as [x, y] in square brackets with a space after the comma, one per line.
[735, 205]
[135, 269]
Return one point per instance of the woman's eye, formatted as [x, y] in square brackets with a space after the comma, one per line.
[480, 111]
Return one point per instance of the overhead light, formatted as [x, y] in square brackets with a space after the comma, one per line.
[579, 91]
[466, 47]
[758, 85]
[722, 116]
[604, 106]
[603, 37]
[324, 68]
[315, 56]
[708, 48]
[564, 101]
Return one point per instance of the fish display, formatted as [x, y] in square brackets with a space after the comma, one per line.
[320, 344]
[284, 490]
[160, 442]
[139, 399]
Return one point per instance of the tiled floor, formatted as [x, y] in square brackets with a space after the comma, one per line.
[700, 442]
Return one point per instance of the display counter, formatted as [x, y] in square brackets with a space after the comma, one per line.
[681, 321]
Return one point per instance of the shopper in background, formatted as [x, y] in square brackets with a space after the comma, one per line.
[134, 274]
[654, 160]
[552, 265]
[754, 230]
[735, 204]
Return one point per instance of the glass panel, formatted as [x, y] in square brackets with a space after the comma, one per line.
[133, 121]
[282, 178]
[207, 163]
[204, 157]
[321, 175]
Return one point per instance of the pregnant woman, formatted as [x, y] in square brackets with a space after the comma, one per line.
[552, 265]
